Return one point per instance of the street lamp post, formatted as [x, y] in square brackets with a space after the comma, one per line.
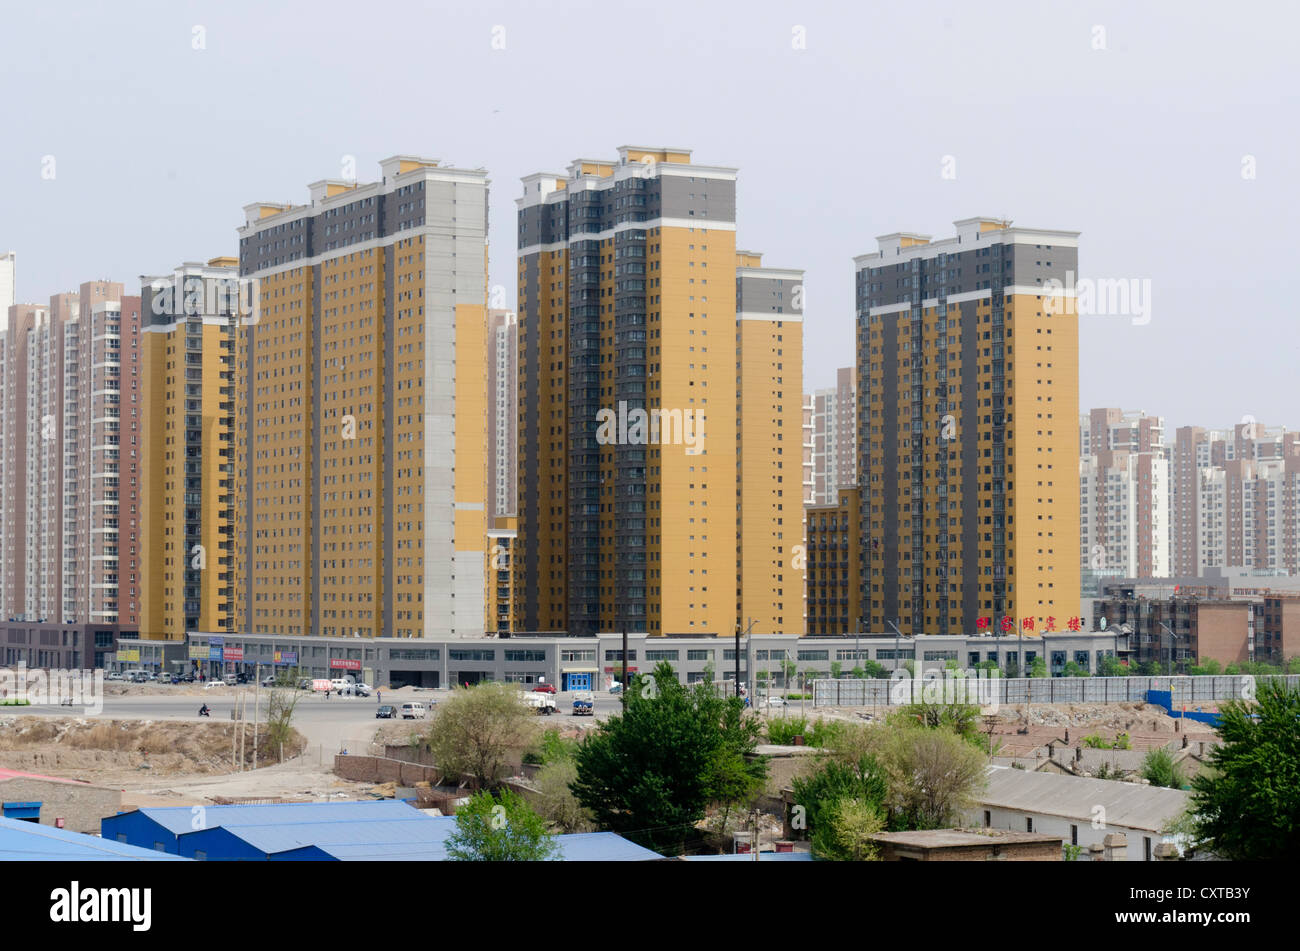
[1169, 668]
[898, 640]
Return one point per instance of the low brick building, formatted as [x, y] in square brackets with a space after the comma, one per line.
[968, 845]
[47, 799]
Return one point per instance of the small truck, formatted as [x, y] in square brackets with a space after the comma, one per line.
[583, 704]
[543, 703]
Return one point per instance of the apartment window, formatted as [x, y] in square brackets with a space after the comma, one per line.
[1029, 823]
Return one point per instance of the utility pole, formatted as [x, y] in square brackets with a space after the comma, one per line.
[257, 685]
[898, 642]
[752, 622]
[623, 693]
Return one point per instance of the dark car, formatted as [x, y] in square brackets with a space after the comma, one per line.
[544, 688]
[386, 712]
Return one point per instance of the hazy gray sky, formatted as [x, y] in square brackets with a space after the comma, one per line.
[1140, 145]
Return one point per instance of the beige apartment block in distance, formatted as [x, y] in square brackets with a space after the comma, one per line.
[769, 433]
[833, 415]
[71, 454]
[361, 408]
[103, 442]
[629, 439]
[188, 388]
[31, 464]
[1124, 488]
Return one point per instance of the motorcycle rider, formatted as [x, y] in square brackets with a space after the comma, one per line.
[204, 711]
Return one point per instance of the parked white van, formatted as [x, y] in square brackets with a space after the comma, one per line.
[414, 711]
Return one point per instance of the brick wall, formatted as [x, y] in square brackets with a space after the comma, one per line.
[379, 769]
[80, 806]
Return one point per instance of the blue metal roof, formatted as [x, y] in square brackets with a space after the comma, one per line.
[602, 847]
[28, 842]
[426, 831]
[409, 835]
[180, 819]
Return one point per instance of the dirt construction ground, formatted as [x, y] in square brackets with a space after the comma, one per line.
[182, 762]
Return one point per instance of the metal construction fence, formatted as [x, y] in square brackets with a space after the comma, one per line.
[1004, 690]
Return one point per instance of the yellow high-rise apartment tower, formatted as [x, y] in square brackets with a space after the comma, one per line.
[188, 322]
[628, 387]
[968, 430]
[361, 408]
[769, 477]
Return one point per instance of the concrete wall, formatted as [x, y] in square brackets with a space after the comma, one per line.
[80, 806]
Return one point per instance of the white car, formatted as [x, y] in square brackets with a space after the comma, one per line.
[361, 690]
[776, 701]
[214, 683]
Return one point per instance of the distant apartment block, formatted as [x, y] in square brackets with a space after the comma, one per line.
[808, 478]
[769, 433]
[834, 565]
[629, 279]
[8, 280]
[1124, 478]
[1235, 499]
[69, 455]
[834, 437]
[190, 319]
[361, 408]
[101, 576]
[503, 412]
[968, 438]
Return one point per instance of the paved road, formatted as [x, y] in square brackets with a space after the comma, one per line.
[340, 722]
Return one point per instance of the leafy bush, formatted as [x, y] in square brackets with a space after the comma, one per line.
[1159, 769]
[782, 731]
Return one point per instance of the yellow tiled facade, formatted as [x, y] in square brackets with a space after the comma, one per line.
[627, 305]
[187, 463]
[968, 430]
[361, 409]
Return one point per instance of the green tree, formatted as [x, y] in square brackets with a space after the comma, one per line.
[873, 670]
[1109, 666]
[858, 673]
[847, 831]
[479, 730]
[280, 734]
[788, 668]
[1038, 667]
[1159, 769]
[1072, 669]
[934, 775]
[1293, 665]
[556, 802]
[836, 669]
[961, 718]
[1208, 666]
[651, 772]
[1246, 805]
[835, 779]
[504, 829]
